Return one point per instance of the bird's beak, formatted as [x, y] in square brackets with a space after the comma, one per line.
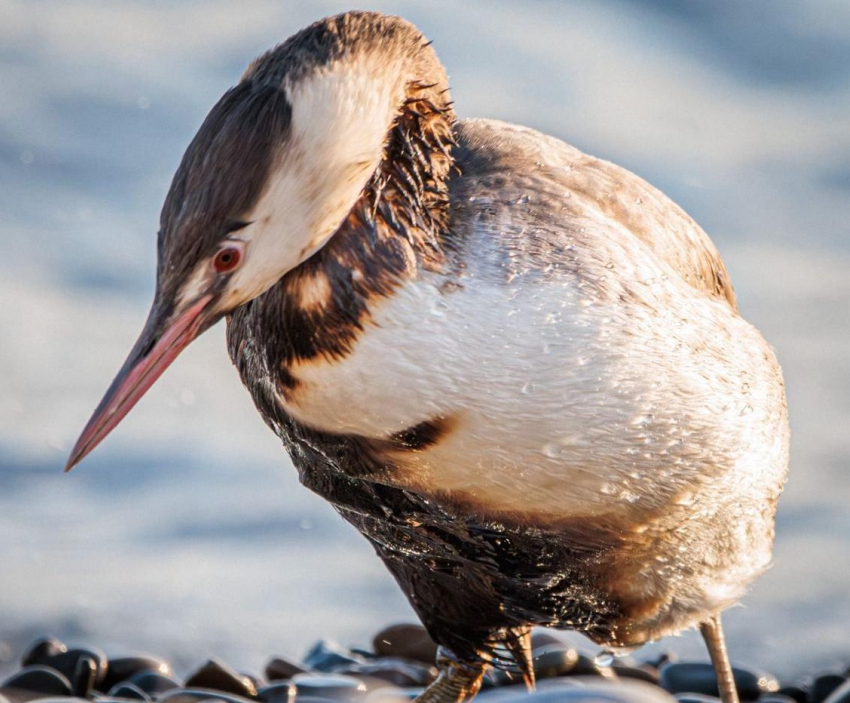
[158, 345]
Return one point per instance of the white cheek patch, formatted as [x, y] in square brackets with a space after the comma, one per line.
[341, 115]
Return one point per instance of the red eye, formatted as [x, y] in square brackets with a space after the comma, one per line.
[227, 259]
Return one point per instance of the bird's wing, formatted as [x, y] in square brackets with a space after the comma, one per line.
[504, 166]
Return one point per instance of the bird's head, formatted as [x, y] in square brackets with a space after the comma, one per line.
[273, 171]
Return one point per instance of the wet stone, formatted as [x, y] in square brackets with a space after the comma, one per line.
[406, 642]
[799, 694]
[66, 662]
[153, 683]
[85, 673]
[587, 666]
[840, 694]
[823, 686]
[399, 672]
[554, 660]
[392, 695]
[283, 668]
[698, 677]
[775, 698]
[128, 690]
[220, 677]
[582, 689]
[696, 698]
[277, 692]
[122, 668]
[35, 682]
[337, 687]
[647, 674]
[193, 695]
[41, 649]
[326, 657]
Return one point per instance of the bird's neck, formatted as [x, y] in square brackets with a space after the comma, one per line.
[397, 228]
[407, 197]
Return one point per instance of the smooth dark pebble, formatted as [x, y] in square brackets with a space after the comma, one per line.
[798, 693]
[390, 695]
[698, 677]
[696, 698]
[407, 642]
[128, 690]
[584, 689]
[35, 679]
[82, 683]
[122, 668]
[277, 692]
[543, 638]
[840, 694]
[41, 649]
[554, 660]
[326, 657]
[335, 686]
[365, 653]
[775, 698]
[192, 695]
[647, 674]
[659, 660]
[220, 677]
[399, 672]
[66, 662]
[822, 686]
[153, 683]
[587, 666]
[283, 668]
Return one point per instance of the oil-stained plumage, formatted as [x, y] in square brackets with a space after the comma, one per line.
[518, 370]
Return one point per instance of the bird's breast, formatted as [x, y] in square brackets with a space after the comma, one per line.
[542, 399]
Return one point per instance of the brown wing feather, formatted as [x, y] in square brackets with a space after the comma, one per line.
[501, 163]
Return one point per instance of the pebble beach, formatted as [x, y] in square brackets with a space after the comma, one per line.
[394, 668]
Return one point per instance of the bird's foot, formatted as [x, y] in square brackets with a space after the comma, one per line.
[457, 682]
[518, 643]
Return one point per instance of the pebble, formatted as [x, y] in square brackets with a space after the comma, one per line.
[277, 692]
[128, 690]
[194, 695]
[327, 657]
[583, 689]
[400, 672]
[554, 660]
[823, 686]
[122, 668]
[840, 694]
[283, 668]
[698, 677]
[799, 694]
[336, 687]
[35, 681]
[406, 642]
[219, 677]
[66, 661]
[153, 683]
[41, 649]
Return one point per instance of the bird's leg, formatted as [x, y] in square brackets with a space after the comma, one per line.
[712, 633]
[457, 682]
[518, 643]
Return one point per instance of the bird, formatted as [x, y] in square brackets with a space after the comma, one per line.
[518, 370]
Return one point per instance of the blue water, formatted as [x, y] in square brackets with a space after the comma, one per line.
[187, 532]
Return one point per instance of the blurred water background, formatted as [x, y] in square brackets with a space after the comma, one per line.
[187, 533]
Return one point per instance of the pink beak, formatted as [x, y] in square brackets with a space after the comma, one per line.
[143, 366]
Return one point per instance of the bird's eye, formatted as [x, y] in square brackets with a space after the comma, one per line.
[227, 259]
